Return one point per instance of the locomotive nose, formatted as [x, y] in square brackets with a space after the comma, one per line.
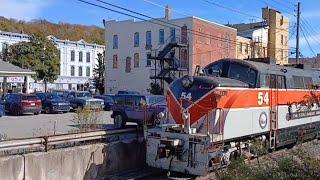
[194, 94]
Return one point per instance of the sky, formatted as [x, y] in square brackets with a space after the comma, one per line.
[239, 11]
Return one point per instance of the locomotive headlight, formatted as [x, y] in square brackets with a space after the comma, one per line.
[187, 81]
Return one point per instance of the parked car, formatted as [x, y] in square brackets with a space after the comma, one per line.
[2, 110]
[62, 93]
[52, 103]
[131, 108]
[108, 101]
[19, 103]
[128, 92]
[80, 99]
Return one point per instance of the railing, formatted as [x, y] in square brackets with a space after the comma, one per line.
[46, 141]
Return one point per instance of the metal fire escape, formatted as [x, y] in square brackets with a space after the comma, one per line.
[168, 61]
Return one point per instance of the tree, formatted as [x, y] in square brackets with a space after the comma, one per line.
[98, 73]
[39, 55]
[155, 89]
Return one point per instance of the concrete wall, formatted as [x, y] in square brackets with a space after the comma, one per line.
[12, 167]
[83, 162]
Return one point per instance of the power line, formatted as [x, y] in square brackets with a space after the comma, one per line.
[304, 21]
[159, 5]
[283, 5]
[287, 40]
[207, 34]
[308, 43]
[290, 2]
[197, 32]
[236, 11]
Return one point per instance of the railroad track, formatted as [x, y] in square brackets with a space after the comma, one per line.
[44, 143]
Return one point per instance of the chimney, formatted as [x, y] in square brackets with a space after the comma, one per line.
[168, 13]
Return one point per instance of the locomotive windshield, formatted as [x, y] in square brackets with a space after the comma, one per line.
[233, 70]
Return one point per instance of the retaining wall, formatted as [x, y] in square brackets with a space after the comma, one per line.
[83, 162]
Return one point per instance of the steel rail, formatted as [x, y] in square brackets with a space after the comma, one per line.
[45, 141]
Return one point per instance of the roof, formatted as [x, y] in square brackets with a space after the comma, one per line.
[265, 68]
[7, 69]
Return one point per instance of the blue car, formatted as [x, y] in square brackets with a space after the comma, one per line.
[1, 110]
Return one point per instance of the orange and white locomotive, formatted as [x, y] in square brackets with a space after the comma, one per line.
[218, 115]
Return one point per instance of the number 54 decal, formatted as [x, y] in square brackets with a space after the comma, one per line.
[263, 98]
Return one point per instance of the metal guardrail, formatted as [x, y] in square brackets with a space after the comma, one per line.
[45, 141]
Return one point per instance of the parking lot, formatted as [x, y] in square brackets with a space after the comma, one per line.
[29, 125]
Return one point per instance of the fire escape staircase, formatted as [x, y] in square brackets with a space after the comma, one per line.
[168, 63]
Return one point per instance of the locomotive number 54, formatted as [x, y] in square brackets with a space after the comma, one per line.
[263, 98]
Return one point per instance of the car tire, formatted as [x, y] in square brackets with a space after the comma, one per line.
[79, 108]
[15, 110]
[36, 113]
[47, 110]
[119, 121]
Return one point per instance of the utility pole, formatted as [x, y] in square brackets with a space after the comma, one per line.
[298, 31]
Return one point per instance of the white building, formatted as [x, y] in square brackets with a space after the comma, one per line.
[77, 61]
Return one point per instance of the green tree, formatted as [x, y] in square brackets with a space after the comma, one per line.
[98, 73]
[39, 55]
[155, 89]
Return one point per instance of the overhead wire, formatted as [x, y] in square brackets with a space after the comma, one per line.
[189, 15]
[307, 41]
[194, 32]
[235, 10]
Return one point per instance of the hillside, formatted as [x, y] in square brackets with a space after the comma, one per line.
[74, 32]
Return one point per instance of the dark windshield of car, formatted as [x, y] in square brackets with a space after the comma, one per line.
[30, 98]
[83, 94]
[156, 99]
[108, 98]
[53, 97]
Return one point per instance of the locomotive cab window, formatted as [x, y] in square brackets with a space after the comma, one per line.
[273, 81]
[243, 73]
[215, 70]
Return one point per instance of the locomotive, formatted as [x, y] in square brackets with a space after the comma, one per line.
[218, 114]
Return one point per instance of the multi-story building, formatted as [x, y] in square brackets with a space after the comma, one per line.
[139, 53]
[268, 38]
[77, 61]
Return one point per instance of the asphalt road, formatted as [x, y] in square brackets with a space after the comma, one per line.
[29, 125]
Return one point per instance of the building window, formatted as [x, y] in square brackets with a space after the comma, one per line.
[136, 60]
[80, 71]
[240, 47]
[148, 37]
[136, 39]
[115, 41]
[72, 55]
[72, 70]
[227, 41]
[88, 71]
[161, 36]
[80, 56]
[173, 34]
[148, 60]
[184, 62]
[88, 57]
[281, 39]
[128, 64]
[115, 61]
[246, 50]
[184, 34]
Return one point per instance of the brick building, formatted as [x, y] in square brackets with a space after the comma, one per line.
[141, 52]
